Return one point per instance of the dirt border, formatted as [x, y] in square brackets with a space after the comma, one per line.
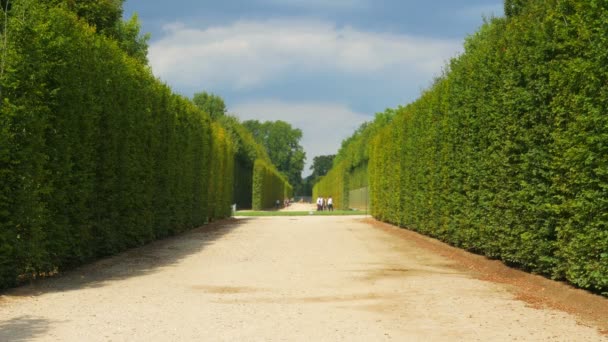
[538, 292]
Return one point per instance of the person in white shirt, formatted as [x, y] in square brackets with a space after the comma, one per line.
[330, 204]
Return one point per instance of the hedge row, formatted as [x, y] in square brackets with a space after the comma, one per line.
[96, 155]
[247, 151]
[269, 185]
[350, 169]
[334, 184]
[222, 169]
[507, 154]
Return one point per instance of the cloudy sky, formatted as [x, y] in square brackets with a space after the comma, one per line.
[325, 66]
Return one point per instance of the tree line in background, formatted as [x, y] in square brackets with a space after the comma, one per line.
[97, 155]
[279, 140]
[282, 143]
[507, 153]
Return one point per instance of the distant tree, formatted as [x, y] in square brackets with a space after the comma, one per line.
[106, 17]
[305, 188]
[210, 103]
[514, 7]
[129, 37]
[321, 165]
[282, 143]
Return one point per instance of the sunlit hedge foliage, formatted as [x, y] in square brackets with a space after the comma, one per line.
[96, 155]
[334, 184]
[507, 153]
[350, 170]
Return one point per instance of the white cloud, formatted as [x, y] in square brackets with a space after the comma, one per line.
[323, 125]
[247, 54]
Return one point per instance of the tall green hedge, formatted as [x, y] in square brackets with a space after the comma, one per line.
[269, 185]
[221, 183]
[247, 151]
[507, 153]
[334, 184]
[96, 155]
[350, 166]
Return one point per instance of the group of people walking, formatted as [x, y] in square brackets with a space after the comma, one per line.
[325, 203]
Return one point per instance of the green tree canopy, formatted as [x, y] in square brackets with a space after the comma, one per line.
[321, 165]
[245, 145]
[514, 7]
[210, 103]
[282, 142]
[106, 17]
[130, 39]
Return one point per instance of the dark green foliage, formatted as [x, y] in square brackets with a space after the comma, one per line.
[514, 7]
[96, 155]
[305, 188]
[103, 15]
[321, 165]
[269, 185]
[247, 151]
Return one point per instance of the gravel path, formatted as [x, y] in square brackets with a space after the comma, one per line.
[279, 279]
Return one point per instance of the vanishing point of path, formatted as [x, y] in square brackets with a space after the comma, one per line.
[306, 278]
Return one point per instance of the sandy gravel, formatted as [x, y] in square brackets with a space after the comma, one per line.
[279, 279]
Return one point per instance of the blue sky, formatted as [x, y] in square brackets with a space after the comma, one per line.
[323, 66]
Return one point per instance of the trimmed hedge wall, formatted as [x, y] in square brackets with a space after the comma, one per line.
[221, 190]
[96, 155]
[350, 169]
[268, 186]
[507, 154]
[247, 151]
[334, 184]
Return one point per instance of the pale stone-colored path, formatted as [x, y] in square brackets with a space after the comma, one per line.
[278, 279]
[300, 207]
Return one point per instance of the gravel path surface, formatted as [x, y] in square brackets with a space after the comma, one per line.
[279, 279]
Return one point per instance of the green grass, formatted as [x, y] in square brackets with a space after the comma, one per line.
[300, 213]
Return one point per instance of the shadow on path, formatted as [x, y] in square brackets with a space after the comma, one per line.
[132, 263]
[23, 328]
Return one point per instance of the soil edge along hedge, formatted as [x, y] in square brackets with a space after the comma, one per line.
[96, 155]
[507, 153]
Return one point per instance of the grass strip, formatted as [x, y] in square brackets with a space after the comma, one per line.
[300, 213]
